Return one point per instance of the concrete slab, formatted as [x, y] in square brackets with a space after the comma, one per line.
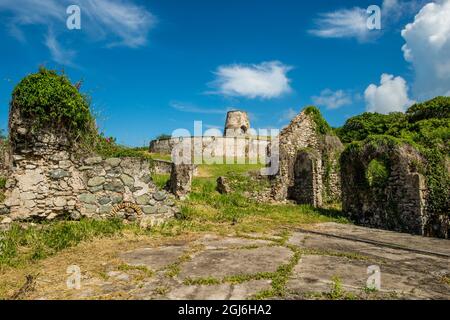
[222, 263]
[314, 274]
[364, 250]
[213, 242]
[153, 258]
[220, 292]
[412, 242]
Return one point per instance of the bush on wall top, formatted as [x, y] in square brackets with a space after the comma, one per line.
[322, 125]
[50, 100]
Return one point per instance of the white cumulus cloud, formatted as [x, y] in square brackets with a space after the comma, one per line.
[266, 80]
[427, 48]
[115, 22]
[390, 96]
[332, 99]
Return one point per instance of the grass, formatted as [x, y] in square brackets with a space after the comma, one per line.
[2, 189]
[161, 290]
[205, 211]
[160, 156]
[217, 170]
[160, 180]
[20, 246]
[210, 281]
[143, 269]
[337, 292]
[278, 279]
[173, 270]
[207, 206]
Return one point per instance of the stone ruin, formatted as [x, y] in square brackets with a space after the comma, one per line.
[48, 178]
[399, 201]
[180, 182]
[237, 142]
[237, 124]
[308, 164]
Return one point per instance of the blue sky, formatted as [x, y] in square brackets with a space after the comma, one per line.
[154, 66]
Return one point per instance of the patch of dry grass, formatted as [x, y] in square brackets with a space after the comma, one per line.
[93, 258]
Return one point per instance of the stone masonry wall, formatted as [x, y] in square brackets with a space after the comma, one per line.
[399, 204]
[50, 175]
[307, 169]
[61, 187]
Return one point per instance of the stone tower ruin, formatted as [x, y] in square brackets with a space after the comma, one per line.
[237, 124]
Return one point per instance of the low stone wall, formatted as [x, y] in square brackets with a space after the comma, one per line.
[163, 146]
[240, 147]
[161, 167]
[60, 187]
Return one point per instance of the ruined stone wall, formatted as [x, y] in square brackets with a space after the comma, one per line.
[60, 186]
[240, 147]
[308, 171]
[161, 167]
[163, 146]
[399, 203]
[5, 158]
[50, 178]
[51, 171]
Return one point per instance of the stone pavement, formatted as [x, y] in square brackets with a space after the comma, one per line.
[328, 261]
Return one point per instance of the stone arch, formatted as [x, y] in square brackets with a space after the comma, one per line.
[306, 179]
[126, 206]
[399, 204]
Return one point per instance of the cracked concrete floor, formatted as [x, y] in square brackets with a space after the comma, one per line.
[304, 264]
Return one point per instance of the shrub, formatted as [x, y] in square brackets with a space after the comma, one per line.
[107, 147]
[164, 137]
[51, 100]
[360, 127]
[322, 125]
[377, 173]
[438, 107]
